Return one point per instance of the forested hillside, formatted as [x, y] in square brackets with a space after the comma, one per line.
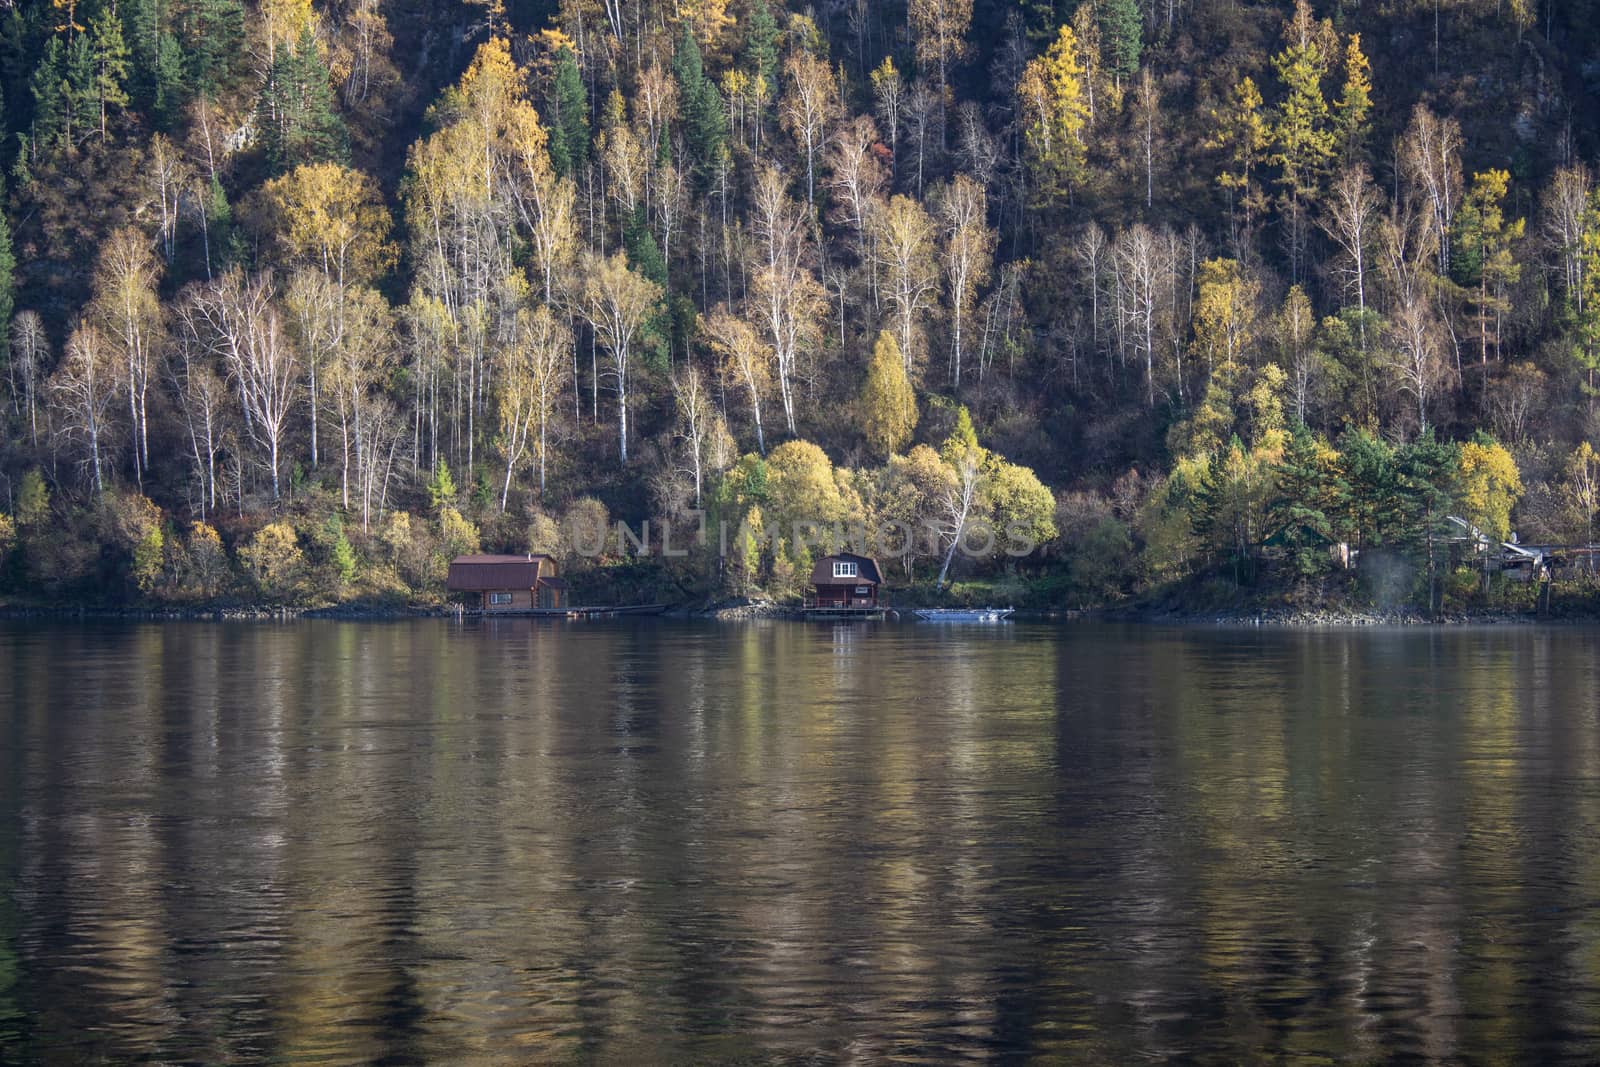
[298, 300]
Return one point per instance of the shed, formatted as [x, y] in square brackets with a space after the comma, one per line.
[509, 583]
[846, 580]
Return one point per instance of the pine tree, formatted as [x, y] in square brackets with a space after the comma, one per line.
[1587, 350]
[295, 111]
[644, 254]
[701, 103]
[110, 53]
[15, 67]
[50, 113]
[761, 45]
[1298, 513]
[1371, 514]
[81, 95]
[141, 29]
[1301, 131]
[171, 89]
[569, 133]
[1428, 472]
[1122, 30]
[441, 487]
[1241, 133]
[212, 37]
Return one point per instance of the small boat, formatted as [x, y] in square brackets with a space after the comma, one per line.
[963, 614]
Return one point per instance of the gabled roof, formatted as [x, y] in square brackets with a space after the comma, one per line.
[477, 574]
[822, 571]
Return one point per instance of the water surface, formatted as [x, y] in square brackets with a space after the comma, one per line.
[517, 842]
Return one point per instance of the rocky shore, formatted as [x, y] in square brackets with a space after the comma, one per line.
[1287, 618]
[230, 613]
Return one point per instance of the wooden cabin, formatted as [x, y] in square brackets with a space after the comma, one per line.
[509, 583]
[845, 580]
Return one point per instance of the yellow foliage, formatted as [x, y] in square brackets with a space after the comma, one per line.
[274, 558]
[1240, 131]
[1225, 311]
[283, 21]
[709, 19]
[802, 486]
[459, 535]
[552, 39]
[888, 402]
[332, 218]
[1490, 487]
[1054, 114]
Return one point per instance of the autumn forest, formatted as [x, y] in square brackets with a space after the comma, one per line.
[298, 300]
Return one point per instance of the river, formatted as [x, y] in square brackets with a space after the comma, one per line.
[517, 841]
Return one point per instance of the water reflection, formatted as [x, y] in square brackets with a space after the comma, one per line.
[519, 841]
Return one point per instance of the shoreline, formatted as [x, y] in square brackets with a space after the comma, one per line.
[753, 611]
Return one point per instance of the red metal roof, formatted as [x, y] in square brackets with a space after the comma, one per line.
[477, 574]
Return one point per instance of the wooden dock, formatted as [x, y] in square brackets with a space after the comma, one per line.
[839, 613]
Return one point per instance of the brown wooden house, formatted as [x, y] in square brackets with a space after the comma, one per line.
[509, 583]
[845, 580]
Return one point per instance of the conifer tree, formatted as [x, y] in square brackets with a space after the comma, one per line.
[50, 111]
[569, 133]
[1298, 512]
[1054, 116]
[1587, 349]
[141, 29]
[110, 52]
[1482, 261]
[701, 103]
[295, 111]
[1355, 101]
[171, 89]
[79, 92]
[1122, 30]
[212, 37]
[1302, 129]
[761, 44]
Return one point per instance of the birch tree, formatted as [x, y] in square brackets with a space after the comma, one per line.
[786, 298]
[1564, 205]
[531, 373]
[83, 389]
[617, 302]
[744, 358]
[357, 368]
[1414, 357]
[807, 109]
[201, 395]
[968, 256]
[246, 329]
[1430, 161]
[126, 305]
[1352, 212]
[697, 422]
[906, 247]
[30, 352]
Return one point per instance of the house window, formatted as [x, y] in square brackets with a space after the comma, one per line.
[499, 598]
[863, 590]
[844, 570]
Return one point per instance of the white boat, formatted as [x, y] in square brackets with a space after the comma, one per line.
[963, 614]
